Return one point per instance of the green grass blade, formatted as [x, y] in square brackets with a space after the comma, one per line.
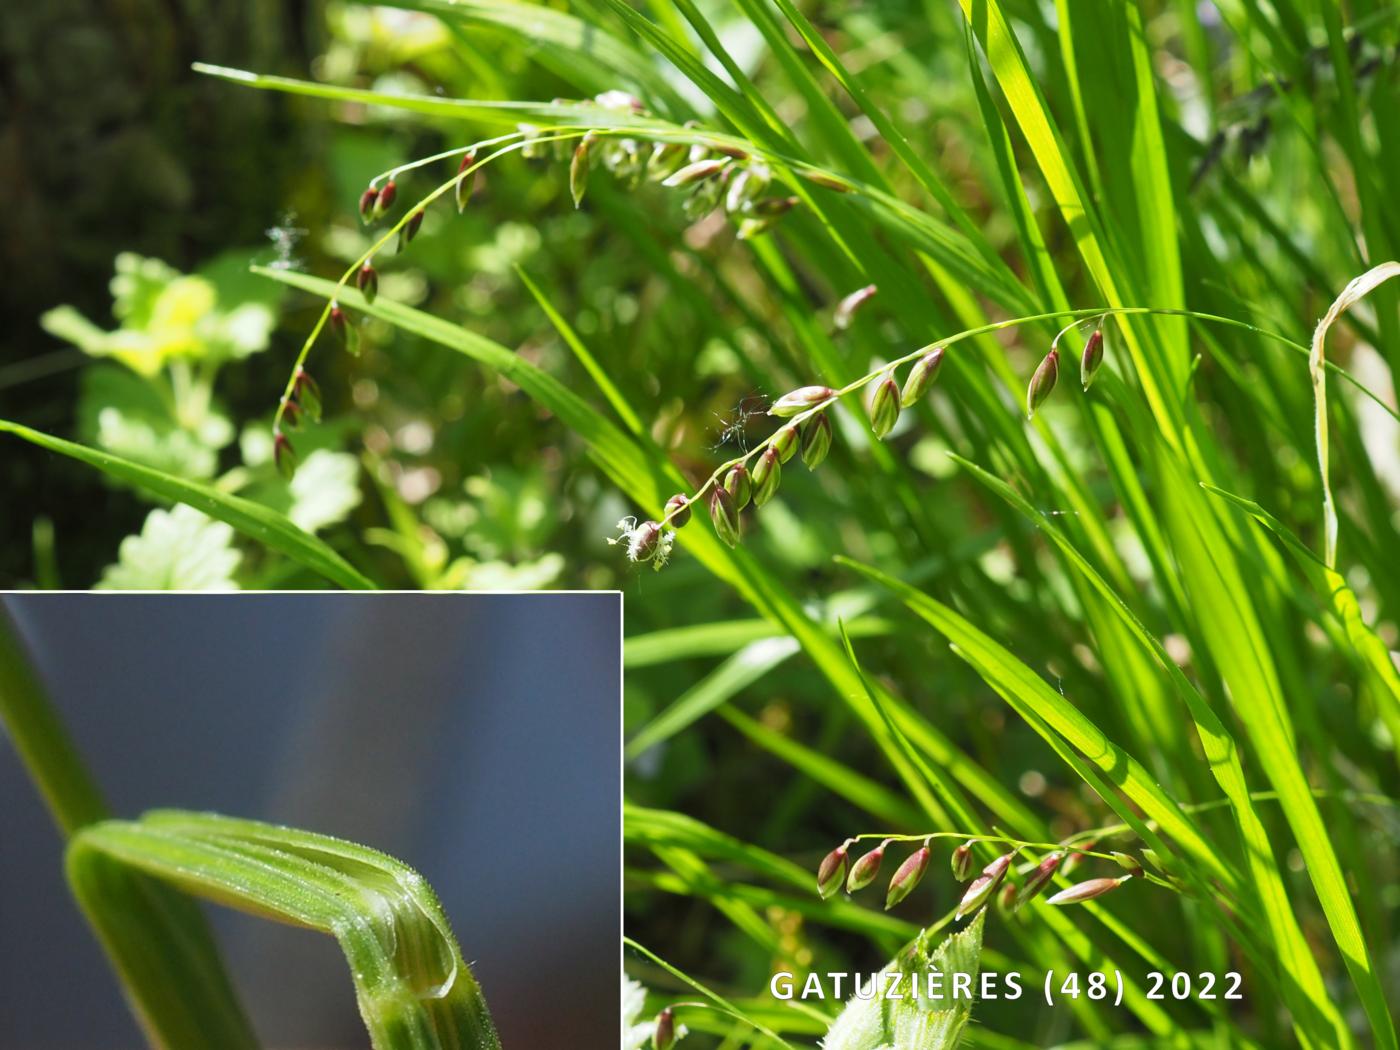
[723, 1003]
[40, 738]
[253, 520]
[1372, 653]
[414, 989]
[720, 638]
[731, 677]
[160, 943]
[1033, 698]
[571, 41]
[585, 357]
[607, 444]
[1236, 641]
[837, 777]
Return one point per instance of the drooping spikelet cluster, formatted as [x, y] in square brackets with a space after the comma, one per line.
[710, 175]
[1017, 888]
[303, 397]
[754, 477]
[710, 172]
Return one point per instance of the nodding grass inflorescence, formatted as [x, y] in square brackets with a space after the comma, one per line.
[1003, 880]
[303, 399]
[710, 171]
[806, 425]
[713, 173]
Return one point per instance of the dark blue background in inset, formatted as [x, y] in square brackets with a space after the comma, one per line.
[473, 736]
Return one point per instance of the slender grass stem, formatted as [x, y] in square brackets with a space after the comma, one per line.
[1109, 830]
[996, 326]
[392, 231]
[45, 747]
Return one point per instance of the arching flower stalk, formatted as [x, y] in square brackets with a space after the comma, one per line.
[807, 427]
[710, 172]
[1011, 884]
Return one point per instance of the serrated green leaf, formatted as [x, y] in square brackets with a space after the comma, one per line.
[176, 550]
[906, 1022]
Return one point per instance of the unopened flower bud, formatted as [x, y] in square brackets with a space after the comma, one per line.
[1127, 862]
[666, 157]
[409, 230]
[884, 405]
[385, 199]
[821, 178]
[982, 887]
[847, 307]
[643, 541]
[907, 876]
[1087, 891]
[698, 171]
[578, 169]
[284, 457]
[816, 440]
[799, 400]
[1092, 357]
[664, 1037]
[367, 202]
[770, 207]
[739, 486]
[785, 441]
[367, 280]
[864, 870]
[831, 874]
[1040, 877]
[466, 180]
[1075, 859]
[962, 862]
[767, 472]
[678, 510]
[291, 414]
[340, 324]
[1006, 899]
[1150, 855]
[1042, 382]
[702, 198]
[921, 377]
[744, 188]
[308, 393]
[761, 216]
[724, 516]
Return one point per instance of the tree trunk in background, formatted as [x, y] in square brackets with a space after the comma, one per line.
[109, 142]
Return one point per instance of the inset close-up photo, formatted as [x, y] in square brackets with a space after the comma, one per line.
[309, 821]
